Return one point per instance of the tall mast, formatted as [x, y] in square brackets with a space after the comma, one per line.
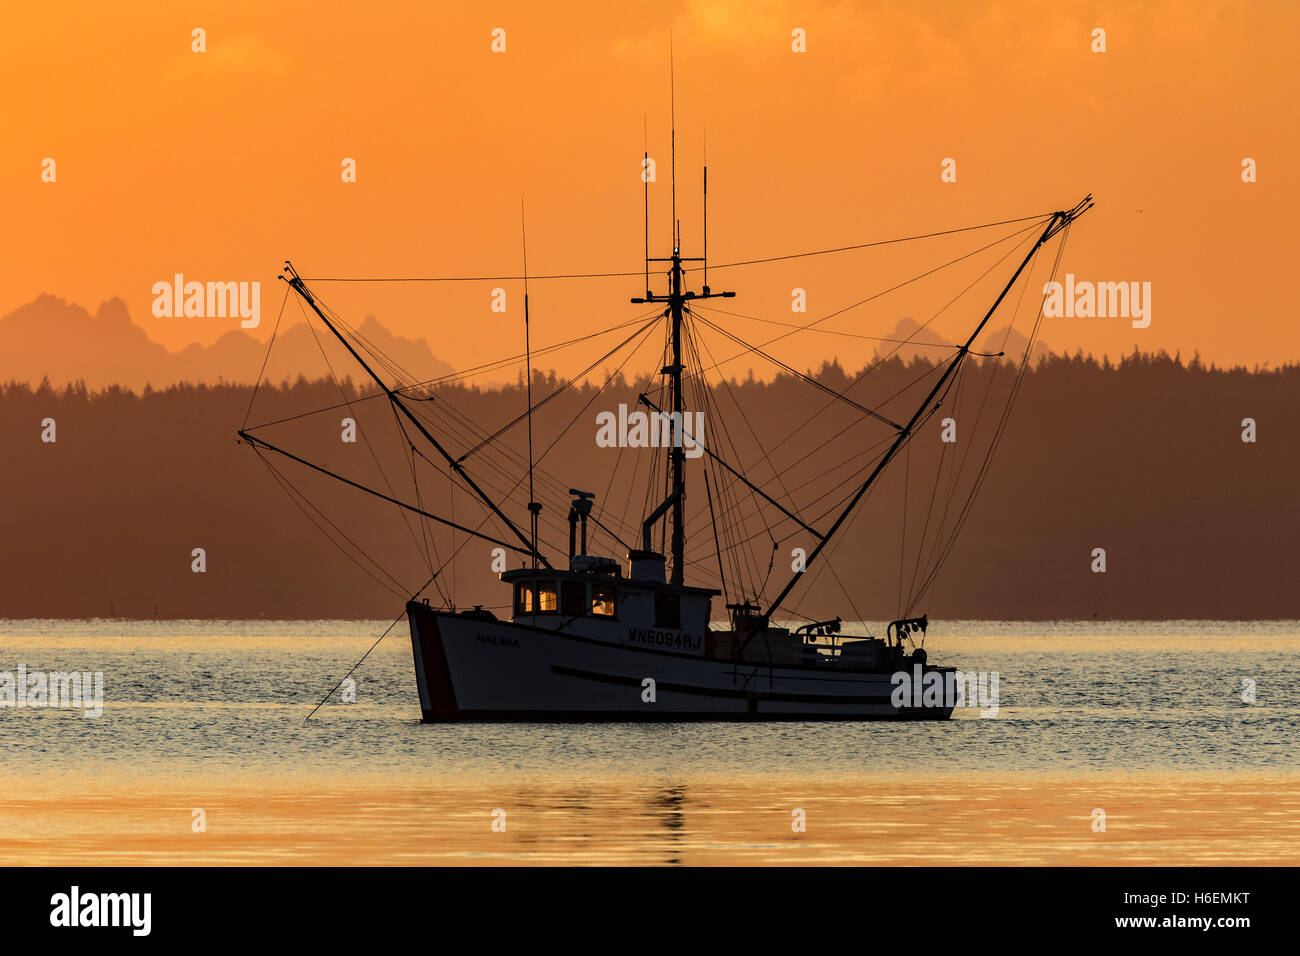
[677, 454]
[676, 300]
[534, 506]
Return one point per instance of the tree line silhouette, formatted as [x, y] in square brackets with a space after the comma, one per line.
[1143, 458]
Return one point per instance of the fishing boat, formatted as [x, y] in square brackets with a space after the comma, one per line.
[625, 636]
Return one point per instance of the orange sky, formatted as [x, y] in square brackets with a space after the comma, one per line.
[222, 164]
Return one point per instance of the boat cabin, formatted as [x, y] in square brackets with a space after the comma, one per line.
[635, 600]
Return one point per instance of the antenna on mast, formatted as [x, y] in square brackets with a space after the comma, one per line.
[534, 506]
[645, 180]
[676, 298]
[672, 108]
[706, 212]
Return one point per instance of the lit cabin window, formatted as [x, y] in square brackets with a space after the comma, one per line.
[546, 596]
[573, 598]
[602, 600]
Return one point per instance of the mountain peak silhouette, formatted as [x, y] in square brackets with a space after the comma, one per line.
[52, 338]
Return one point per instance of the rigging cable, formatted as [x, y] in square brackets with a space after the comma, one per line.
[998, 432]
[364, 656]
[266, 358]
[450, 377]
[638, 272]
[884, 292]
[882, 360]
[305, 503]
[364, 435]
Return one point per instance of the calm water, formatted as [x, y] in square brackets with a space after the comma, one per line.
[1143, 720]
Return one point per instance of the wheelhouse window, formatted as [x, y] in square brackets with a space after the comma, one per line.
[573, 598]
[668, 609]
[542, 590]
[602, 600]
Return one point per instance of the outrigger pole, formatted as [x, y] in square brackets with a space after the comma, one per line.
[1058, 221]
[296, 283]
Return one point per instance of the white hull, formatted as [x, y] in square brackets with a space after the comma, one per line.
[470, 668]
